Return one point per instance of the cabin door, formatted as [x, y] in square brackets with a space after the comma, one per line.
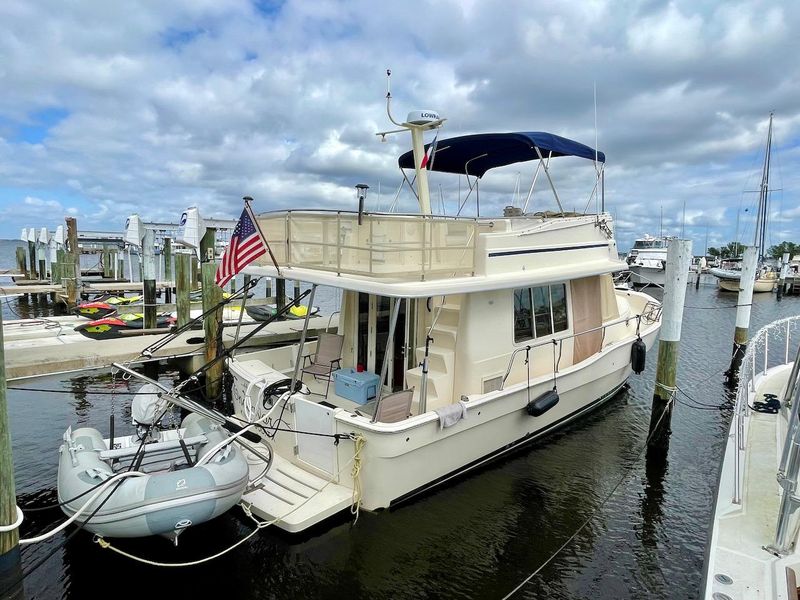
[374, 315]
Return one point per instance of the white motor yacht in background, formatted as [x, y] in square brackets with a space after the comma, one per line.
[647, 261]
[753, 551]
[459, 338]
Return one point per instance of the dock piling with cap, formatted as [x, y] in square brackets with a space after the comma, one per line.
[743, 304]
[679, 254]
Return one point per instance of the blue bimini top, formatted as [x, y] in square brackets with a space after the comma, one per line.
[476, 154]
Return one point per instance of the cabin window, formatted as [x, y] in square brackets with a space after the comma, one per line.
[539, 311]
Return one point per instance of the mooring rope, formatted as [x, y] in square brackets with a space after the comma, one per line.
[597, 509]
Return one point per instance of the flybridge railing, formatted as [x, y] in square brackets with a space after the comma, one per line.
[406, 246]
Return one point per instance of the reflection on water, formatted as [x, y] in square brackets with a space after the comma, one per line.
[477, 537]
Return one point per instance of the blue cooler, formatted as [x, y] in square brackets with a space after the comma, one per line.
[355, 386]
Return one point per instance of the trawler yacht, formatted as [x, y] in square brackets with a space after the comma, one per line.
[459, 338]
[647, 261]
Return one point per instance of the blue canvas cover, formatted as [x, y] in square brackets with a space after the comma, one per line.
[476, 154]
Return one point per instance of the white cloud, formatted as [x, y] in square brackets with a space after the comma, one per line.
[188, 102]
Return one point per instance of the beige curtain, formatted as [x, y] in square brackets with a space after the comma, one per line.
[608, 298]
[587, 309]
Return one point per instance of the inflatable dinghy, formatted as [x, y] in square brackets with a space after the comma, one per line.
[190, 477]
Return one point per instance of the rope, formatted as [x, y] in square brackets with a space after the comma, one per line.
[355, 473]
[596, 510]
[246, 507]
[78, 513]
[15, 524]
[717, 307]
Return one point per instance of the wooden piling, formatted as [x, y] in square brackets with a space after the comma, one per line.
[183, 265]
[168, 271]
[194, 281]
[296, 290]
[73, 250]
[107, 269]
[212, 296]
[32, 274]
[21, 266]
[280, 293]
[120, 268]
[168, 259]
[61, 257]
[743, 304]
[72, 291]
[40, 255]
[10, 566]
[269, 287]
[679, 254]
[149, 278]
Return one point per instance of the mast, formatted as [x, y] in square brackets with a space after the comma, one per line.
[417, 123]
[763, 197]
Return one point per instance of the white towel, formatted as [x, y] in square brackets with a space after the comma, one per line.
[451, 414]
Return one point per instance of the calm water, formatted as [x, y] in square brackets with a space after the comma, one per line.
[477, 537]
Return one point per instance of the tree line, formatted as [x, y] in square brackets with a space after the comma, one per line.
[733, 249]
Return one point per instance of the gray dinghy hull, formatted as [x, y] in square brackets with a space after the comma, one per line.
[160, 503]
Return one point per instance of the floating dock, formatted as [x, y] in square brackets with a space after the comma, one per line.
[47, 346]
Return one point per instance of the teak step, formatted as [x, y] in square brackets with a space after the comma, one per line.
[297, 498]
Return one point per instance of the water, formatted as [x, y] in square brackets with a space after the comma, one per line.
[477, 537]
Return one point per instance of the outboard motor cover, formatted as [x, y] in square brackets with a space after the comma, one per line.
[144, 406]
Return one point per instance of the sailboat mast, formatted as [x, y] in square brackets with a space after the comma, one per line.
[763, 197]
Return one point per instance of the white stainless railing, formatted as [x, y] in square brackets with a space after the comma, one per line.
[649, 315]
[377, 245]
[756, 361]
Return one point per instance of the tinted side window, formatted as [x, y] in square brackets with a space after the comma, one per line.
[541, 311]
[558, 298]
[523, 315]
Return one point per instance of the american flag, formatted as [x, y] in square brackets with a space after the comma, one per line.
[246, 245]
[428, 157]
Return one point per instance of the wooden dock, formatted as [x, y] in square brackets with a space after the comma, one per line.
[40, 287]
[47, 354]
[792, 286]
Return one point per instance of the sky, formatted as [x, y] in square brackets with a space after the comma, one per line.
[114, 108]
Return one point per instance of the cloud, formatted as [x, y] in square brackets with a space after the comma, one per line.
[202, 102]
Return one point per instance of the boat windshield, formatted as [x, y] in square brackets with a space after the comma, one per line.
[638, 244]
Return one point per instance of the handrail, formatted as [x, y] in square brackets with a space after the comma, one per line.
[550, 341]
[748, 371]
[277, 213]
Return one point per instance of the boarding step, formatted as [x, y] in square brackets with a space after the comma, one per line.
[439, 359]
[296, 498]
[440, 386]
[444, 336]
[449, 313]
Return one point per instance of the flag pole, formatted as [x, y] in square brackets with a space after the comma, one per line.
[247, 201]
